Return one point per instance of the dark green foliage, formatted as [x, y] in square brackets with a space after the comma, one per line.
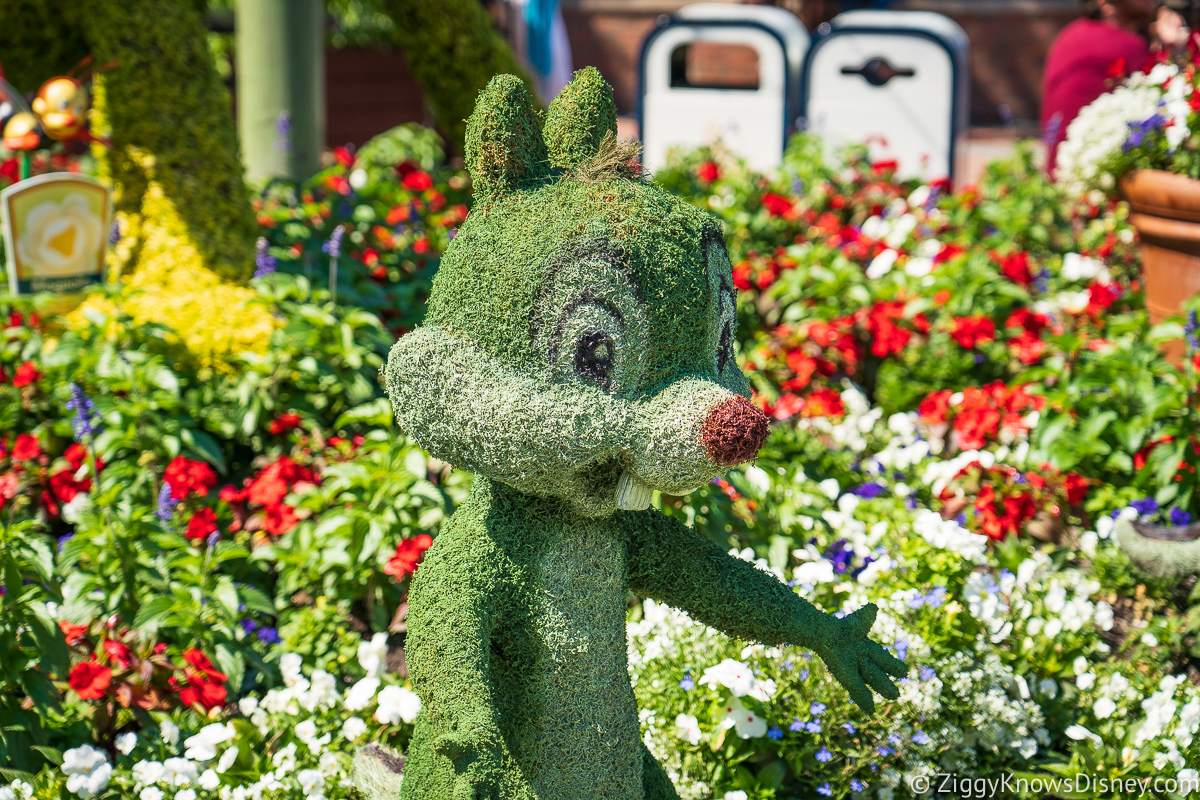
[576, 353]
[36, 43]
[453, 50]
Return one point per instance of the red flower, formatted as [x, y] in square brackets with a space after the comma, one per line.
[948, 252]
[228, 494]
[824, 403]
[417, 181]
[970, 331]
[202, 523]
[886, 336]
[880, 167]
[776, 204]
[1139, 458]
[185, 476]
[285, 423]
[200, 690]
[66, 487]
[1031, 321]
[1027, 347]
[116, 652]
[343, 156]
[397, 214]
[408, 555]
[1016, 267]
[1101, 296]
[1076, 487]
[10, 170]
[338, 183]
[74, 633]
[26, 374]
[1117, 68]
[90, 680]
[789, 405]
[741, 276]
[933, 408]
[201, 663]
[803, 366]
[706, 172]
[26, 448]
[280, 519]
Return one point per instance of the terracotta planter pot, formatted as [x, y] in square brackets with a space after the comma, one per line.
[1166, 212]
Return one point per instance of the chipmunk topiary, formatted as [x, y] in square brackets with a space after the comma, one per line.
[577, 352]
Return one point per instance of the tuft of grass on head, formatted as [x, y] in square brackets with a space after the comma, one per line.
[616, 159]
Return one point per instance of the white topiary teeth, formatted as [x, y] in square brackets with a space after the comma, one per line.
[632, 494]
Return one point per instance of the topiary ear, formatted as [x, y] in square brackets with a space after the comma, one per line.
[579, 118]
[504, 147]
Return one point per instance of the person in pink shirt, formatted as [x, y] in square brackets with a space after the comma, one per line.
[1092, 53]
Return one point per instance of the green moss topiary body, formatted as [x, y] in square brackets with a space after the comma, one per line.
[577, 353]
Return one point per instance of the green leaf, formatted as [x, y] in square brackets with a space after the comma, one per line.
[152, 613]
[205, 446]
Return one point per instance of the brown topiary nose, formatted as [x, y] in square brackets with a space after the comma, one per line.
[734, 431]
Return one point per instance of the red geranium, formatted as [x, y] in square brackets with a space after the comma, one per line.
[74, 634]
[824, 403]
[417, 181]
[285, 423]
[185, 476]
[26, 374]
[204, 682]
[116, 652]
[970, 331]
[202, 523]
[280, 519]
[26, 448]
[1076, 487]
[408, 555]
[1027, 347]
[1016, 267]
[707, 172]
[65, 486]
[90, 679]
[886, 336]
[933, 408]
[776, 204]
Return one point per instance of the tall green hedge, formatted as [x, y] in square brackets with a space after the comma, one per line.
[163, 98]
[453, 50]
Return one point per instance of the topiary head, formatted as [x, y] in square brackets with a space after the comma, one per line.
[579, 340]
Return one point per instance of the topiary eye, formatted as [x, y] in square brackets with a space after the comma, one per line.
[594, 356]
[725, 346]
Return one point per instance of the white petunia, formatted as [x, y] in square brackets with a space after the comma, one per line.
[353, 728]
[147, 772]
[361, 694]
[1076, 267]
[185, 794]
[397, 703]
[179, 772]
[1078, 733]
[737, 794]
[169, 731]
[687, 728]
[814, 572]
[126, 742]
[151, 793]
[203, 746]
[1189, 781]
[882, 264]
[312, 782]
[1104, 708]
[289, 667]
[227, 759]
[372, 655]
[209, 780]
[87, 770]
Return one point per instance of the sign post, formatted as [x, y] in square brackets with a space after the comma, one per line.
[55, 232]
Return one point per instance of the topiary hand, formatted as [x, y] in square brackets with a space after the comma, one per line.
[476, 764]
[856, 661]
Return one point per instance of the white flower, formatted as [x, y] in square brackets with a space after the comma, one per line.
[185, 794]
[179, 772]
[1104, 616]
[360, 695]
[397, 703]
[1080, 268]
[147, 772]
[815, 572]
[209, 780]
[1149, 639]
[1078, 732]
[20, 790]
[203, 746]
[748, 724]
[1048, 687]
[1085, 681]
[227, 759]
[312, 782]
[1104, 708]
[248, 705]
[169, 731]
[306, 732]
[918, 267]
[735, 795]
[151, 793]
[353, 728]
[289, 667]
[830, 488]
[358, 178]
[733, 675]
[882, 264]
[1099, 130]
[322, 692]
[87, 770]
[285, 760]
[126, 742]
[73, 510]
[372, 655]
[688, 728]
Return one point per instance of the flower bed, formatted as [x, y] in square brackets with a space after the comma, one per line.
[204, 569]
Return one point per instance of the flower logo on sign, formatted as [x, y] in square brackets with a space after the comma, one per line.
[59, 237]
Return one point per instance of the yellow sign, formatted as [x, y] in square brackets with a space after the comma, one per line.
[55, 232]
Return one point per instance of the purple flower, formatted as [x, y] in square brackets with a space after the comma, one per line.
[1180, 517]
[796, 725]
[114, 233]
[857, 786]
[283, 130]
[86, 421]
[869, 490]
[825, 789]
[264, 262]
[920, 737]
[823, 755]
[840, 553]
[894, 739]
[268, 635]
[1146, 506]
[166, 504]
[813, 726]
[1053, 126]
[687, 684]
[849, 726]
[910, 502]
[787, 665]
[212, 539]
[816, 709]
[63, 540]
[884, 751]
[901, 649]
[333, 247]
[774, 733]
[803, 674]
[927, 672]
[249, 625]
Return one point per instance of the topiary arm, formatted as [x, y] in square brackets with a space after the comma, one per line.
[453, 609]
[670, 562]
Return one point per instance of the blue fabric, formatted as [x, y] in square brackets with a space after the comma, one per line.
[539, 18]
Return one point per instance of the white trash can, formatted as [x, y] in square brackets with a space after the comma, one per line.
[896, 80]
[754, 123]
